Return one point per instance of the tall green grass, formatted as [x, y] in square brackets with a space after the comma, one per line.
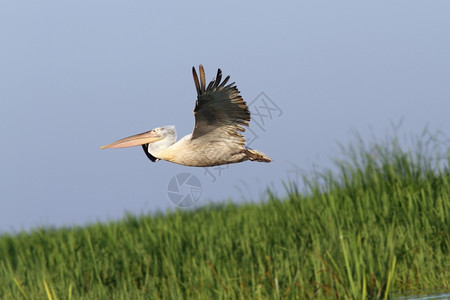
[377, 225]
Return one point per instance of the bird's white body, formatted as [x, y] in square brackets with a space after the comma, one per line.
[189, 152]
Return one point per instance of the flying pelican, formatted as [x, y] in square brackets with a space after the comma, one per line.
[219, 113]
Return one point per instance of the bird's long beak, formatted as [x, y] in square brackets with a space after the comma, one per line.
[135, 140]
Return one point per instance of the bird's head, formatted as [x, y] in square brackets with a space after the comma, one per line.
[156, 139]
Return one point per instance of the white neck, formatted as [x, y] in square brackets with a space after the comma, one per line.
[159, 146]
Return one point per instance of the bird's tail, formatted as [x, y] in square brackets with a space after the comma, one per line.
[255, 155]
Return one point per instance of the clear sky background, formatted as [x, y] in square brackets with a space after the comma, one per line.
[75, 75]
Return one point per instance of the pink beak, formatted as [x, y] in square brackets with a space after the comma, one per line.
[135, 140]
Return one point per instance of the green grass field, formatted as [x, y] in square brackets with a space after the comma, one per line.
[379, 225]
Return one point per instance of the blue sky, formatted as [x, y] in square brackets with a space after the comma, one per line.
[75, 75]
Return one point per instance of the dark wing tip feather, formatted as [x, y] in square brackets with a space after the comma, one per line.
[225, 81]
[210, 85]
[200, 83]
[197, 84]
[218, 78]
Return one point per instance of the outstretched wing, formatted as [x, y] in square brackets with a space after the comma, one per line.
[220, 112]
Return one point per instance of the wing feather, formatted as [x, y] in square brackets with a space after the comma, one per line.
[202, 78]
[197, 84]
[220, 112]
